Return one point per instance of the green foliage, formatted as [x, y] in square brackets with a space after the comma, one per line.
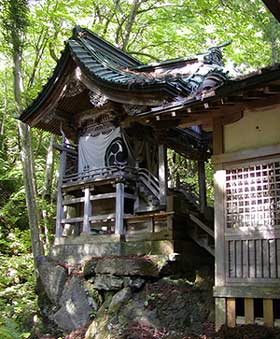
[16, 277]
[150, 30]
[10, 330]
[14, 16]
[151, 298]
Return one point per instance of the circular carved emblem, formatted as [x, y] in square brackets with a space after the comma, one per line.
[116, 153]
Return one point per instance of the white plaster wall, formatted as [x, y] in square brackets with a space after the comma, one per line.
[256, 129]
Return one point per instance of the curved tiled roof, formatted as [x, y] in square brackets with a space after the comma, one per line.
[110, 65]
[109, 68]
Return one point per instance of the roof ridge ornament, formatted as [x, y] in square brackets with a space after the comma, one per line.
[78, 32]
[214, 54]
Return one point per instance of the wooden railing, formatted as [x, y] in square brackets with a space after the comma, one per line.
[189, 193]
[149, 180]
[136, 174]
[94, 174]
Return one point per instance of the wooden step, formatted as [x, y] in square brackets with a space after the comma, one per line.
[203, 239]
[202, 225]
[72, 220]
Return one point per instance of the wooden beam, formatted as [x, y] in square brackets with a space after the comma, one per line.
[103, 218]
[162, 174]
[87, 211]
[59, 202]
[201, 225]
[268, 312]
[231, 118]
[269, 101]
[202, 186]
[231, 312]
[252, 153]
[71, 220]
[249, 291]
[73, 201]
[70, 149]
[110, 196]
[249, 311]
[119, 226]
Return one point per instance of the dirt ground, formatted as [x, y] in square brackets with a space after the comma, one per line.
[142, 332]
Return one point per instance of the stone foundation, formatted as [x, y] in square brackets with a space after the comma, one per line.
[117, 293]
[75, 250]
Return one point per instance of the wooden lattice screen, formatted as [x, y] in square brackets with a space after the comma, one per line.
[252, 219]
[253, 196]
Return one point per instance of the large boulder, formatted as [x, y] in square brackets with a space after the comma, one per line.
[131, 266]
[105, 325]
[52, 278]
[108, 282]
[89, 267]
[166, 306]
[75, 306]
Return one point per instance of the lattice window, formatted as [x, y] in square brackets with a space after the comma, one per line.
[253, 196]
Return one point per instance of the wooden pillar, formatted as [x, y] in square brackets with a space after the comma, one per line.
[249, 311]
[220, 312]
[231, 312]
[119, 224]
[220, 257]
[202, 186]
[268, 312]
[162, 174]
[59, 202]
[87, 211]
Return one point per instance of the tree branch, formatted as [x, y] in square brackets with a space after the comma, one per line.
[145, 54]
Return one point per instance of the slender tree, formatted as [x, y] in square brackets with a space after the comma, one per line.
[15, 23]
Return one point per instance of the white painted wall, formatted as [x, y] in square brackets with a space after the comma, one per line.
[256, 129]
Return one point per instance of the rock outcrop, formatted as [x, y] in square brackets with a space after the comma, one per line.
[122, 297]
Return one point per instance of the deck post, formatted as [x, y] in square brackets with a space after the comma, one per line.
[59, 202]
[268, 312]
[202, 185]
[87, 211]
[119, 223]
[220, 312]
[162, 174]
[249, 310]
[231, 312]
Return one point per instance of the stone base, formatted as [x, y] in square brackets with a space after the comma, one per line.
[76, 250]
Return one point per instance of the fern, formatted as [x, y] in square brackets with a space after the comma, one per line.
[7, 333]
[10, 330]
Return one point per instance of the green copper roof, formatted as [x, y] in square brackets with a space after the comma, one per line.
[109, 68]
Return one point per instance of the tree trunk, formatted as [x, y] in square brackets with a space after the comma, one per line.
[131, 19]
[47, 190]
[27, 163]
[5, 108]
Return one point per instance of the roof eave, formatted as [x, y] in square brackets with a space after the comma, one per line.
[48, 89]
[274, 7]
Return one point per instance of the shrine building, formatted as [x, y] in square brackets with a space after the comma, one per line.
[117, 117]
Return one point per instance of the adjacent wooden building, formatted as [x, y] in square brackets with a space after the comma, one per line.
[118, 117]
